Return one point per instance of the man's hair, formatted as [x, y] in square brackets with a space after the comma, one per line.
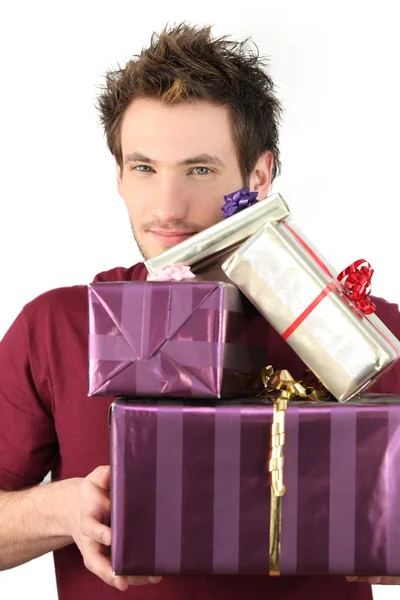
[185, 64]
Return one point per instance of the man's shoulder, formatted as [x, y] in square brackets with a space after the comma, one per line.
[389, 314]
[73, 299]
[137, 272]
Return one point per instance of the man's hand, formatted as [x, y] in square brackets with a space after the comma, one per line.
[87, 521]
[376, 580]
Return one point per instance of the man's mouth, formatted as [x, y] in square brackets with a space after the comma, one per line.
[171, 237]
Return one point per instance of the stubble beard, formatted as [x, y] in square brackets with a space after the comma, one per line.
[141, 248]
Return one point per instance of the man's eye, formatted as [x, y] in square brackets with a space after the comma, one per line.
[142, 168]
[202, 170]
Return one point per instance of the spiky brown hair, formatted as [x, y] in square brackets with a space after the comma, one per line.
[184, 64]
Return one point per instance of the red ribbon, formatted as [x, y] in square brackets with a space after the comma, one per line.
[327, 290]
[356, 286]
[356, 283]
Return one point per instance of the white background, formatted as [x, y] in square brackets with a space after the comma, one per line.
[61, 219]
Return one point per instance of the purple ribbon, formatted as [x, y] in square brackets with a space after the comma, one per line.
[237, 201]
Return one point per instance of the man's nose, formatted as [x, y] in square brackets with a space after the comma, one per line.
[170, 202]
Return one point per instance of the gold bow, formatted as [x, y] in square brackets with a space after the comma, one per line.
[281, 381]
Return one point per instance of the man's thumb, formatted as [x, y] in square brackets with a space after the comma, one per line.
[101, 477]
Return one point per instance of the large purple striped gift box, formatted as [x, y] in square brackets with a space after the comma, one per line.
[190, 491]
[183, 339]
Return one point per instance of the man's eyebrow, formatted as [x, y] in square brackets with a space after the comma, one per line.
[136, 157]
[204, 159]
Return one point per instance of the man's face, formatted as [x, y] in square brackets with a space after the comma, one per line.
[179, 162]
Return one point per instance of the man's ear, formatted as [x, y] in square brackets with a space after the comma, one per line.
[119, 176]
[261, 176]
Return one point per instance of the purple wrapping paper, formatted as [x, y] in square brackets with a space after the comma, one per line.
[190, 492]
[183, 339]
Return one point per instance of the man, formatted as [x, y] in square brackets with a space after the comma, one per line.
[189, 120]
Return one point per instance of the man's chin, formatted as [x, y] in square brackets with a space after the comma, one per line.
[148, 253]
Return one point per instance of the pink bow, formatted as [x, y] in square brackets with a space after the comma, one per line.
[171, 273]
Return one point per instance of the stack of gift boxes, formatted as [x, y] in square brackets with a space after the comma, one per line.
[219, 464]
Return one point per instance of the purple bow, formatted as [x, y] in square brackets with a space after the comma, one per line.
[237, 201]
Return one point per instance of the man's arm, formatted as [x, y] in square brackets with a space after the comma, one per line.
[45, 518]
[31, 522]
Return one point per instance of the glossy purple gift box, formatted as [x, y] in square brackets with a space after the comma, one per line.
[178, 339]
[190, 491]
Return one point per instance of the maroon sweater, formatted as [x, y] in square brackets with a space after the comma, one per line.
[49, 423]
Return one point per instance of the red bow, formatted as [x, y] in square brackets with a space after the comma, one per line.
[357, 285]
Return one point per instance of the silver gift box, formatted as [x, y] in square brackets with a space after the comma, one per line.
[215, 242]
[284, 276]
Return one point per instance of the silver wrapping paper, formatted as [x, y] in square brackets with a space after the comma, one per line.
[346, 349]
[222, 238]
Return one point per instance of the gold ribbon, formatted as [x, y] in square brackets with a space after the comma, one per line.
[282, 382]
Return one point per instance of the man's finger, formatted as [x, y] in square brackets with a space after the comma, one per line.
[96, 531]
[140, 580]
[390, 580]
[101, 477]
[100, 565]
[376, 580]
[371, 580]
